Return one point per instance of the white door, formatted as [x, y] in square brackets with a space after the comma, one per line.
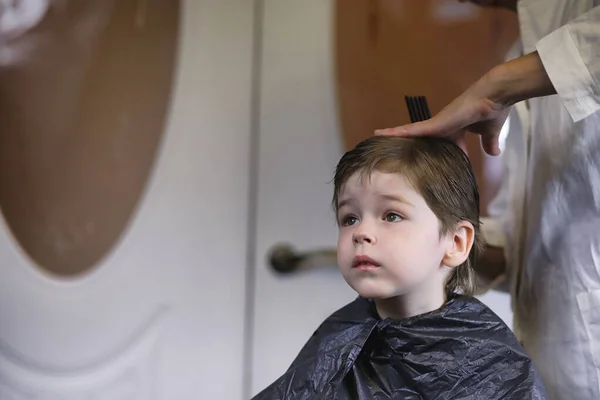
[161, 314]
[300, 144]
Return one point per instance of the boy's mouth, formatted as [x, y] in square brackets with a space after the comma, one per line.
[364, 262]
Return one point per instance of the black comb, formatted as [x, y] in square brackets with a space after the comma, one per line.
[418, 109]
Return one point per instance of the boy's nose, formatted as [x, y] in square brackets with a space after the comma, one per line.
[361, 237]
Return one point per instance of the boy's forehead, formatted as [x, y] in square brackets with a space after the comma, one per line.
[362, 182]
[366, 178]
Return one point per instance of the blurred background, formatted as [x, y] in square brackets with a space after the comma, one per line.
[153, 153]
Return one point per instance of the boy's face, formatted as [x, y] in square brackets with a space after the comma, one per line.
[389, 241]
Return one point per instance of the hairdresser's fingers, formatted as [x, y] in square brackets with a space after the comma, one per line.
[414, 129]
[491, 144]
[397, 131]
[451, 119]
[490, 131]
[439, 125]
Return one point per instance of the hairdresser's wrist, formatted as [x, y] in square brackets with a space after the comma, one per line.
[517, 80]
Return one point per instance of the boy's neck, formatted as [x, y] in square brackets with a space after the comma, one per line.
[406, 306]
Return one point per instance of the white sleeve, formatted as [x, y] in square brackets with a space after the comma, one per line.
[571, 57]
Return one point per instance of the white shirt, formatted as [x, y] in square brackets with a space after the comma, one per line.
[547, 212]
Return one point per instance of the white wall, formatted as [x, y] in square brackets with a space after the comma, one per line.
[300, 145]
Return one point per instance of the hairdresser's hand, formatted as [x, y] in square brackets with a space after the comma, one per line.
[482, 109]
[474, 111]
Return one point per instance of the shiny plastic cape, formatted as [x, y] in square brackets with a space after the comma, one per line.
[461, 351]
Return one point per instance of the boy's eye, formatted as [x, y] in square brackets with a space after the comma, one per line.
[349, 220]
[393, 217]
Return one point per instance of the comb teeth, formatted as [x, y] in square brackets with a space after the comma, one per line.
[418, 109]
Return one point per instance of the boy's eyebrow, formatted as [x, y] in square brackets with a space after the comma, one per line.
[397, 198]
[343, 202]
[390, 197]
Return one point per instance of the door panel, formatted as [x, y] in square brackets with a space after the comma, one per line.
[161, 313]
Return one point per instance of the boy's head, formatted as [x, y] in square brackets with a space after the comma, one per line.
[408, 217]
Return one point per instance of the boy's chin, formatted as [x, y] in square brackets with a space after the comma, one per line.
[373, 293]
[375, 289]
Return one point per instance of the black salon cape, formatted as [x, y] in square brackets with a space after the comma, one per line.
[461, 351]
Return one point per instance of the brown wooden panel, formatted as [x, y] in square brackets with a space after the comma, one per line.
[83, 104]
[386, 49]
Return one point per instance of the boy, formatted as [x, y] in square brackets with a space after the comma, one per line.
[408, 217]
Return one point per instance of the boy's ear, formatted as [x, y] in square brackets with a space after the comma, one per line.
[460, 244]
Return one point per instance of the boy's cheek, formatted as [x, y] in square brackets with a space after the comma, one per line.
[344, 237]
